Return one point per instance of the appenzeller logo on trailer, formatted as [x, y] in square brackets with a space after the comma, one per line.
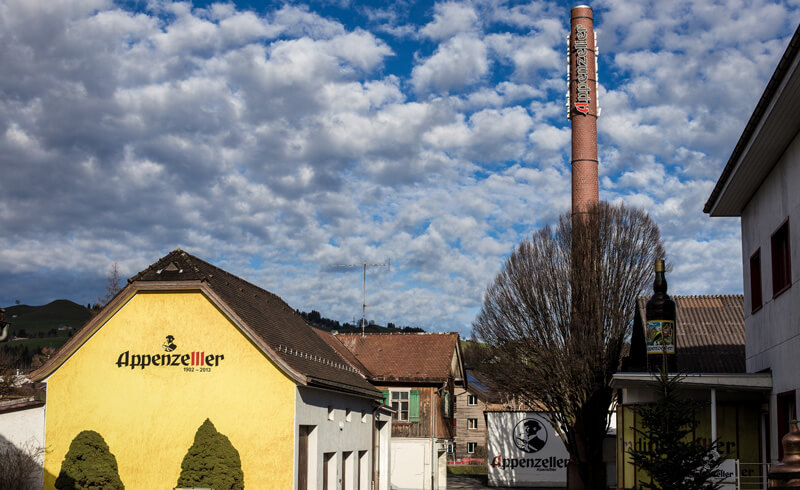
[194, 361]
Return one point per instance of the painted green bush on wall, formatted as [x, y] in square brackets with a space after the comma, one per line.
[211, 462]
[89, 464]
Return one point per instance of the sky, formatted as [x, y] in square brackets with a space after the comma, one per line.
[279, 139]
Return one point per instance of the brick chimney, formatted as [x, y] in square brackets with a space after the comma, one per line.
[582, 108]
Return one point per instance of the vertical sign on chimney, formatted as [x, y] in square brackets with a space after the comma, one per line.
[582, 108]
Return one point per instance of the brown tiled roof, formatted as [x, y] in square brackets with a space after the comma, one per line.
[406, 357]
[709, 332]
[284, 332]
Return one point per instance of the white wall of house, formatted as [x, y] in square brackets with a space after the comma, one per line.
[519, 458]
[773, 332]
[24, 429]
[343, 425]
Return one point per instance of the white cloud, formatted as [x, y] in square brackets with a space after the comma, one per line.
[456, 64]
[277, 142]
[449, 19]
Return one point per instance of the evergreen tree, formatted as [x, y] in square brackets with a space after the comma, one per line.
[671, 457]
[89, 464]
[211, 462]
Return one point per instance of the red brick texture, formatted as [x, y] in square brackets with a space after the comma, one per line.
[584, 125]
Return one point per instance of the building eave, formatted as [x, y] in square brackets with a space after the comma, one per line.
[769, 131]
[734, 382]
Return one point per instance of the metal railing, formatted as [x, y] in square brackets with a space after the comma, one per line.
[752, 476]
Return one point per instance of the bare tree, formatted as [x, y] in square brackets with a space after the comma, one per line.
[557, 316]
[20, 466]
[114, 284]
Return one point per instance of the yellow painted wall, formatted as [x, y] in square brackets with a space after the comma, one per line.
[149, 416]
[737, 430]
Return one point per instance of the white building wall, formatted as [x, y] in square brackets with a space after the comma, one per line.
[336, 434]
[773, 333]
[24, 429]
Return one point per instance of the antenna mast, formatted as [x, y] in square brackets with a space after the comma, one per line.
[364, 264]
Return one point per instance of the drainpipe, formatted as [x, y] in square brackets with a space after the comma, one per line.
[434, 480]
[433, 437]
[376, 449]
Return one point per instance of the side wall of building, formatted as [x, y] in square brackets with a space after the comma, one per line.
[24, 429]
[149, 414]
[464, 435]
[342, 430]
[773, 332]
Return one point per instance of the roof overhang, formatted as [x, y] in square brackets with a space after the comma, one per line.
[732, 382]
[771, 128]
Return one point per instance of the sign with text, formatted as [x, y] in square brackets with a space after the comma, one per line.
[661, 337]
[524, 450]
[194, 361]
[727, 474]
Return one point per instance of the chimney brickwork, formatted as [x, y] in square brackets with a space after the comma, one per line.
[583, 109]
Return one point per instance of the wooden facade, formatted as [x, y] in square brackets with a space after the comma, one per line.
[463, 434]
[424, 427]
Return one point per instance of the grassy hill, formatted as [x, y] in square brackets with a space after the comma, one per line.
[35, 319]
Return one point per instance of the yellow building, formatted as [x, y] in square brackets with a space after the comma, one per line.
[186, 341]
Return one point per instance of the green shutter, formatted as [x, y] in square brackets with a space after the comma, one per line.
[413, 406]
[386, 400]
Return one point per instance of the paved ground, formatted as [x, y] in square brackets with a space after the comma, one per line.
[462, 482]
[474, 482]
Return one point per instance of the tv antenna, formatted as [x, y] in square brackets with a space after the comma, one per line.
[365, 264]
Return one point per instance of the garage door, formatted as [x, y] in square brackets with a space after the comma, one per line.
[408, 465]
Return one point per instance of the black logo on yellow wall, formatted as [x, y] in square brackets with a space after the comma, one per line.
[169, 345]
[189, 361]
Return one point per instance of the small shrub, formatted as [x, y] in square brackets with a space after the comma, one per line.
[89, 464]
[211, 462]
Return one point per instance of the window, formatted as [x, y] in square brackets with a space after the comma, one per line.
[472, 400]
[451, 448]
[472, 423]
[755, 281]
[471, 447]
[781, 266]
[400, 405]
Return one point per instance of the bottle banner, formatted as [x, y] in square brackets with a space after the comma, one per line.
[661, 337]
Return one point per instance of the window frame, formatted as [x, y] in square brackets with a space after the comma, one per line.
[755, 282]
[472, 400]
[398, 411]
[474, 447]
[469, 424]
[781, 251]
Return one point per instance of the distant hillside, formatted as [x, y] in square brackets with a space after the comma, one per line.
[315, 319]
[42, 319]
[36, 327]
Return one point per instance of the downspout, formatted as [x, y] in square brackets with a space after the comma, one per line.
[433, 435]
[375, 450]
